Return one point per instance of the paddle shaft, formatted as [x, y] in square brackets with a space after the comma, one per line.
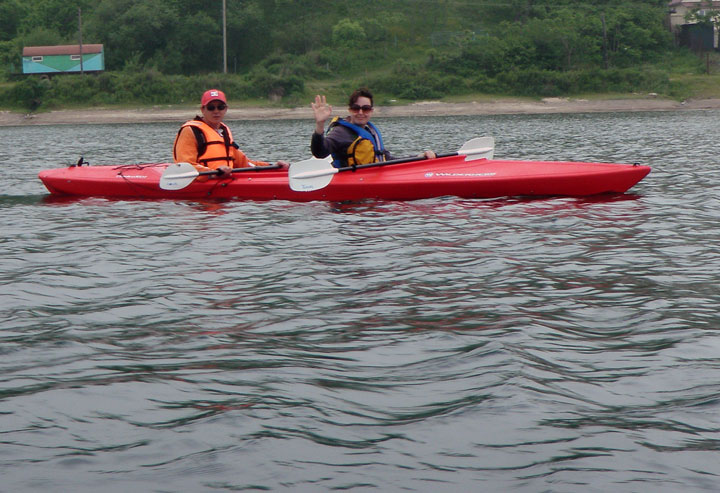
[192, 174]
[322, 172]
[463, 150]
[392, 161]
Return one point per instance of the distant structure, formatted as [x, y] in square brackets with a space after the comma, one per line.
[62, 59]
[688, 31]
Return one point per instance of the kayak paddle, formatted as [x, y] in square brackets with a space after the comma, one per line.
[179, 175]
[314, 174]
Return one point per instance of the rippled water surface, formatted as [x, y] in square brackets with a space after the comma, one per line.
[557, 344]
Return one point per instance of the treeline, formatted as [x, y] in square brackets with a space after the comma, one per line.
[165, 51]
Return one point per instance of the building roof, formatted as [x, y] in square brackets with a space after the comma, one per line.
[694, 3]
[61, 50]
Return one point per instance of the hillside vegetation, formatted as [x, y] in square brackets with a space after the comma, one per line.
[283, 51]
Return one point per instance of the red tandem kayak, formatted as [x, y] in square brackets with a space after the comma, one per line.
[451, 175]
[471, 172]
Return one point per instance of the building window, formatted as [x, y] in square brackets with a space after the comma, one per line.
[37, 59]
[75, 57]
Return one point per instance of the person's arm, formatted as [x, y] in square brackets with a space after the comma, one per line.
[335, 142]
[240, 160]
[319, 145]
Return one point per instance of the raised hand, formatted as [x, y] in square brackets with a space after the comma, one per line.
[322, 111]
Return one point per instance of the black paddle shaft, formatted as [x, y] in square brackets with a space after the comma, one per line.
[394, 161]
[238, 170]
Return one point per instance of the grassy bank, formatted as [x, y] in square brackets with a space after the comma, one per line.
[120, 90]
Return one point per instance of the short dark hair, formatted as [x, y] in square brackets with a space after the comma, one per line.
[362, 92]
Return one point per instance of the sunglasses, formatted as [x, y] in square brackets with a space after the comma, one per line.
[220, 106]
[356, 107]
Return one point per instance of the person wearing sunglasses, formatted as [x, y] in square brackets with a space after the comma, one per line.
[207, 143]
[352, 140]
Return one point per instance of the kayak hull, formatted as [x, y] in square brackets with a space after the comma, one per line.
[447, 176]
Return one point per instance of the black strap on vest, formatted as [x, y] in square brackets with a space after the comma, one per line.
[200, 137]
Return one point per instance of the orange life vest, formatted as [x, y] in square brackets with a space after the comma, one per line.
[213, 148]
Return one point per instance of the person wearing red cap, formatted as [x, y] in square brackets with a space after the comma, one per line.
[207, 143]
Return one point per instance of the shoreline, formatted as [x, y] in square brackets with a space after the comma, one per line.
[420, 109]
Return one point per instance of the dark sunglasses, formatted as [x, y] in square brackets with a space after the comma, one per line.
[220, 106]
[356, 107]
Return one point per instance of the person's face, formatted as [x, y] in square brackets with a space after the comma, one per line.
[214, 112]
[358, 115]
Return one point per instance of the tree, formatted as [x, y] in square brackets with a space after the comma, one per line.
[127, 27]
[11, 12]
[54, 15]
[635, 34]
[348, 34]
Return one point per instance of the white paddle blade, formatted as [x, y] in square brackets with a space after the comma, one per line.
[311, 174]
[177, 176]
[478, 148]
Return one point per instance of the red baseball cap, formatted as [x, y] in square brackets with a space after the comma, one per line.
[212, 95]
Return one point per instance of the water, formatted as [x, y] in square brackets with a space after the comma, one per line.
[440, 345]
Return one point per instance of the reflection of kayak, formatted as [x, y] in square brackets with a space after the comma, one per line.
[416, 179]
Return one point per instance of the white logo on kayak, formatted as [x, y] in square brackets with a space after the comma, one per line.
[430, 174]
[130, 176]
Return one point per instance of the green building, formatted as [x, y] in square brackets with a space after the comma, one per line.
[63, 59]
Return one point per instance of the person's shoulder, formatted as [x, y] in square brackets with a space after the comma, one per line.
[337, 126]
[194, 122]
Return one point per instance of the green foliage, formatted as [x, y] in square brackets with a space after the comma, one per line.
[534, 82]
[636, 35]
[278, 76]
[146, 87]
[247, 37]
[10, 60]
[59, 16]
[11, 12]
[149, 28]
[41, 36]
[26, 94]
[168, 51]
[348, 33]
[680, 61]
[566, 39]
[412, 81]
